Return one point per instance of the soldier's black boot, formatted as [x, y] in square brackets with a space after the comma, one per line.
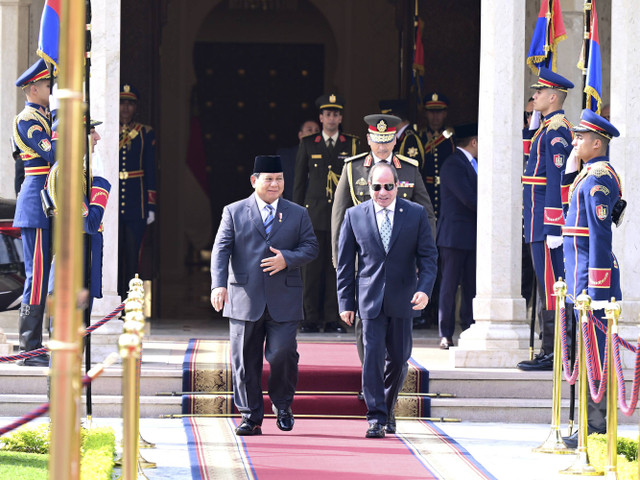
[30, 334]
[543, 360]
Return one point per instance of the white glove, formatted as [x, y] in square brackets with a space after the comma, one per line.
[572, 162]
[534, 123]
[599, 304]
[97, 167]
[554, 241]
[54, 103]
[151, 217]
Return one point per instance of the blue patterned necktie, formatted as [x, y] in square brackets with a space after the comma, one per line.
[385, 230]
[268, 222]
[474, 164]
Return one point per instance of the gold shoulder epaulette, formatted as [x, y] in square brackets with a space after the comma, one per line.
[556, 122]
[350, 135]
[411, 161]
[355, 157]
[599, 169]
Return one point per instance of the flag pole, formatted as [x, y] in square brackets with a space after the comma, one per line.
[547, 39]
[586, 46]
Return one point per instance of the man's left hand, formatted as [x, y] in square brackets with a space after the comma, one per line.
[273, 264]
[420, 300]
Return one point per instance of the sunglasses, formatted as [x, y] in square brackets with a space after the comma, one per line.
[376, 187]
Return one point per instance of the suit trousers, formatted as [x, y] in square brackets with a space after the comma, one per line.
[320, 296]
[458, 267]
[387, 348]
[280, 350]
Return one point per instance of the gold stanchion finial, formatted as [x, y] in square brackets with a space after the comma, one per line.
[554, 442]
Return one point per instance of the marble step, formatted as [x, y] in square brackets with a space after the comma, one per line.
[506, 410]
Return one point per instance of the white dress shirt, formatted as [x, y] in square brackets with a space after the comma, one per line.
[263, 211]
[380, 213]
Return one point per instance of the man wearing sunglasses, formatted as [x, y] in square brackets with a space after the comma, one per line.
[392, 240]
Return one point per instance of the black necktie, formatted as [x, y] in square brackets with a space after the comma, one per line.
[330, 145]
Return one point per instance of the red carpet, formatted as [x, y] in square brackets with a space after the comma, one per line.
[321, 449]
[328, 381]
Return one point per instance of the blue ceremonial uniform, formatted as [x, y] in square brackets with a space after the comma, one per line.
[542, 205]
[137, 195]
[32, 135]
[589, 199]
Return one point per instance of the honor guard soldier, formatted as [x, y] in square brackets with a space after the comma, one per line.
[92, 211]
[353, 187]
[542, 205]
[408, 142]
[32, 136]
[137, 186]
[318, 165]
[437, 143]
[592, 200]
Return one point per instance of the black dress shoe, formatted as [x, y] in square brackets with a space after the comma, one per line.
[446, 342]
[541, 362]
[39, 361]
[309, 328]
[420, 323]
[572, 441]
[248, 427]
[361, 396]
[390, 427]
[376, 430]
[334, 327]
[284, 419]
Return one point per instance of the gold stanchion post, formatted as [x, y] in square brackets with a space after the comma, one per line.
[130, 344]
[554, 442]
[581, 466]
[612, 312]
[66, 347]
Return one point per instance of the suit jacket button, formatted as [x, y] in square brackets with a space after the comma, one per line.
[329, 200]
[315, 164]
[404, 195]
[268, 242]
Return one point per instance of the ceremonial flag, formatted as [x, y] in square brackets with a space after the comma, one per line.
[418, 61]
[593, 84]
[49, 37]
[548, 32]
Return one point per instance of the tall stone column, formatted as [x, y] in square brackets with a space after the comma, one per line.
[500, 335]
[625, 95]
[105, 106]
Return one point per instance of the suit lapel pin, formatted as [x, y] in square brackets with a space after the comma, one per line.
[279, 217]
[400, 209]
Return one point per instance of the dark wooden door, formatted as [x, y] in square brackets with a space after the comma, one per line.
[251, 100]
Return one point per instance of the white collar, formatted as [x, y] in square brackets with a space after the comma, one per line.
[334, 137]
[376, 159]
[261, 204]
[392, 206]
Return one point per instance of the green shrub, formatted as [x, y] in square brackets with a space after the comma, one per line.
[627, 465]
[24, 453]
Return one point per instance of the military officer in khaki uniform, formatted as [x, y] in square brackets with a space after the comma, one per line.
[408, 142]
[353, 187]
[318, 165]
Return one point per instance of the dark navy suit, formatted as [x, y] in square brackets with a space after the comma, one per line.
[381, 289]
[456, 239]
[262, 305]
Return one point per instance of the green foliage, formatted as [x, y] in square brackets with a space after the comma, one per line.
[627, 464]
[97, 453]
[28, 439]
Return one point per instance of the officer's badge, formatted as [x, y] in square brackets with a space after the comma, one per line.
[361, 181]
[45, 145]
[332, 98]
[382, 126]
[560, 140]
[602, 211]
[599, 188]
[558, 160]
[32, 129]
[126, 88]
[412, 152]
